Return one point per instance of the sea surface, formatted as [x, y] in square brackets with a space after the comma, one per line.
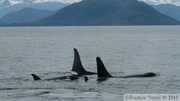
[125, 50]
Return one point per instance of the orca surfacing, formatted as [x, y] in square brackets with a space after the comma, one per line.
[103, 74]
[70, 77]
[77, 68]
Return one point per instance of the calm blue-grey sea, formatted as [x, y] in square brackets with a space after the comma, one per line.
[125, 50]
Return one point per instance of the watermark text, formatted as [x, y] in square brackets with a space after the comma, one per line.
[151, 97]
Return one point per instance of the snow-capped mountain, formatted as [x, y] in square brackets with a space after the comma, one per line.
[152, 2]
[7, 6]
[13, 2]
[6, 3]
[157, 2]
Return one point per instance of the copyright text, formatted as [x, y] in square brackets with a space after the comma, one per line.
[151, 97]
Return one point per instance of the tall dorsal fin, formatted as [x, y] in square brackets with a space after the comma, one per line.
[35, 77]
[77, 65]
[102, 72]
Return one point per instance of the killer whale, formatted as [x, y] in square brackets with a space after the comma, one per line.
[77, 65]
[77, 68]
[103, 74]
[69, 77]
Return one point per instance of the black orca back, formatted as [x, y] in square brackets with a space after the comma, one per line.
[150, 74]
[102, 72]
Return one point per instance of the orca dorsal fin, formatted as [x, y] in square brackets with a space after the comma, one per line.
[86, 78]
[102, 72]
[77, 65]
[35, 77]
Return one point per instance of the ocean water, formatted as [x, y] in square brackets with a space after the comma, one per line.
[125, 50]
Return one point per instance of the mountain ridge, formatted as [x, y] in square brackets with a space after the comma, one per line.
[158, 2]
[14, 2]
[151, 2]
[169, 10]
[104, 12]
[25, 15]
[7, 6]
[41, 6]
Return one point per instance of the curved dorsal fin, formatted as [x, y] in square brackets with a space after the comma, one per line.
[102, 72]
[35, 77]
[77, 65]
